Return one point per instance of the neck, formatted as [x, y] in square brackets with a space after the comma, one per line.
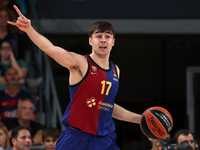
[102, 61]
[12, 90]
[23, 122]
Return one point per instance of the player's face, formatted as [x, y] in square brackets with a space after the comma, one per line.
[25, 110]
[23, 141]
[188, 138]
[50, 143]
[3, 138]
[11, 76]
[102, 42]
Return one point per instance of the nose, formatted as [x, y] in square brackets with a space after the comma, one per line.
[103, 39]
[191, 144]
[28, 140]
[51, 143]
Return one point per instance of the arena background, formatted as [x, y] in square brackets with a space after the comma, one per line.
[156, 42]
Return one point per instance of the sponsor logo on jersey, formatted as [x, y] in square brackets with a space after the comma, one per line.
[4, 103]
[93, 73]
[9, 114]
[104, 106]
[91, 102]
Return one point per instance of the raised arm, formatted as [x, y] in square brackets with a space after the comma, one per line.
[21, 70]
[122, 114]
[63, 57]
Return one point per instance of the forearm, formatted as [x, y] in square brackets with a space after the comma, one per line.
[37, 139]
[122, 114]
[42, 42]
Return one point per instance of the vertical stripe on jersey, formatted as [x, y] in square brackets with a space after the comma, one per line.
[84, 114]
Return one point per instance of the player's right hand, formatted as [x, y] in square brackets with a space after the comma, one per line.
[22, 22]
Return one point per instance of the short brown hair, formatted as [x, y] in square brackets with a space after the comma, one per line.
[50, 132]
[181, 132]
[102, 26]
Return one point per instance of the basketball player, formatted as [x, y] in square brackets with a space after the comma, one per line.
[93, 86]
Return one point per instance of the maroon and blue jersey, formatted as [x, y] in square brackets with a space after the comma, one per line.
[8, 104]
[92, 100]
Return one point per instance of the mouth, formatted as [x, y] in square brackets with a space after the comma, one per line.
[102, 47]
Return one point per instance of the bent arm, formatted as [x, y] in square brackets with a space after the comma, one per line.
[122, 114]
[21, 70]
[37, 139]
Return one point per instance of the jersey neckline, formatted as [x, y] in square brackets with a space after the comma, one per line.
[99, 66]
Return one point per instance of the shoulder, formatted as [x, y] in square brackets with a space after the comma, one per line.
[12, 123]
[118, 70]
[2, 94]
[24, 94]
[8, 149]
[81, 65]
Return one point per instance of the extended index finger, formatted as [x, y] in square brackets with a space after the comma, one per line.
[19, 12]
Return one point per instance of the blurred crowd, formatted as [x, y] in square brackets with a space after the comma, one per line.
[19, 83]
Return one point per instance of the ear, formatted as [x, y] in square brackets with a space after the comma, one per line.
[14, 141]
[90, 41]
[113, 42]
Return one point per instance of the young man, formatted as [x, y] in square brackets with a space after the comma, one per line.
[21, 138]
[93, 86]
[25, 113]
[185, 135]
[49, 137]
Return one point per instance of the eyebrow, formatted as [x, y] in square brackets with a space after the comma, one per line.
[102, 32]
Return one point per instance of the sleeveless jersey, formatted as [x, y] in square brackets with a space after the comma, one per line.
[92, 100]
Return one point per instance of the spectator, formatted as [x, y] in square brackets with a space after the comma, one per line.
[8, 60]
[9, 4]
[21, 138]
[25, 113]
[10, 96]
[185, 135]
[4, 137]
[49, 137]
[7, 32]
